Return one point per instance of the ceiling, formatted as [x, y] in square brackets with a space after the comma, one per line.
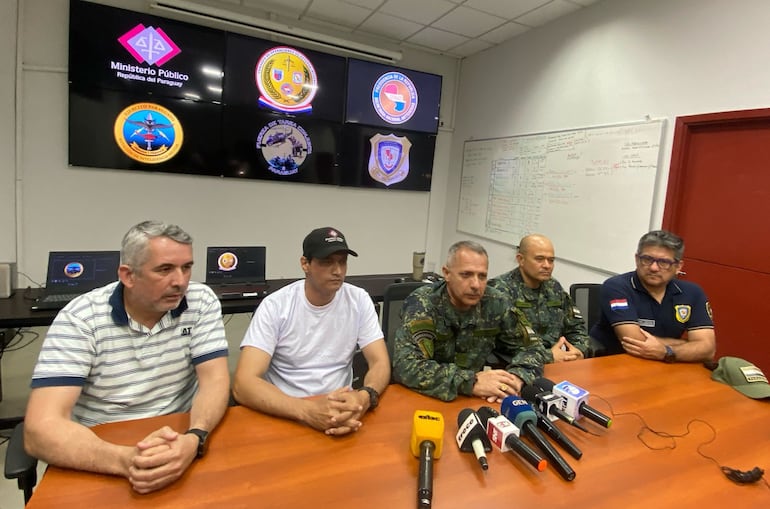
[457, 28]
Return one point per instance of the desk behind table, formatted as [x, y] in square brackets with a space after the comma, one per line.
[15, 311]
[259, 461]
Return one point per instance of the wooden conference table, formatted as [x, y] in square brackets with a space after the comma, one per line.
[258, 461]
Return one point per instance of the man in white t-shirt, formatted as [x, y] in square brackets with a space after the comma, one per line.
[296, 358]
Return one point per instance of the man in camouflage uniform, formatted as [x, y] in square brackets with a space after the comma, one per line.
[450, 328]
[542, 299]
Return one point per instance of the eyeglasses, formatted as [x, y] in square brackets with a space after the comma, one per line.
[663, 263]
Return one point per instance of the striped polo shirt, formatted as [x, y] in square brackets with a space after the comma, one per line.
[126, 370]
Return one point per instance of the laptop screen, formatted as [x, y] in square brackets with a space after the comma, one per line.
[235, 265]
[81, 271]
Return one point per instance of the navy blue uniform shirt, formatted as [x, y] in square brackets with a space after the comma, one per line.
[625, 300]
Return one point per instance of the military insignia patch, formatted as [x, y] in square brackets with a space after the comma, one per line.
[576, 313]
[682, 312]
[425, 340]
[389, 158]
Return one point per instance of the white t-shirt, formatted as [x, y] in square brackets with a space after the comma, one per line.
[312, 347]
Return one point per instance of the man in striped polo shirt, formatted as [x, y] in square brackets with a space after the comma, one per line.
[150, 344]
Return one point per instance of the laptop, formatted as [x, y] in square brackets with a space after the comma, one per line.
[73, 273]
[236, 272]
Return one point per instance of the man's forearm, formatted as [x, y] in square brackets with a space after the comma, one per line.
[210, 403]
[378, 376]
[68, 444]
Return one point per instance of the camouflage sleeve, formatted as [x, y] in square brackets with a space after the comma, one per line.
[574, 327]
[527, 351]
[413, 364]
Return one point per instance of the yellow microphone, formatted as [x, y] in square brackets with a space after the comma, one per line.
[427, 443]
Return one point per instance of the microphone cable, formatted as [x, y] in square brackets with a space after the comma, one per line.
[737, 476]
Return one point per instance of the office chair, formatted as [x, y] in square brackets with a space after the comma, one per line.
[392, 302]
[18, 464]
[586, 297]
[393, 298]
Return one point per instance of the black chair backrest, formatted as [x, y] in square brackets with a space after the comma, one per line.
[393, 300]
[586, 297]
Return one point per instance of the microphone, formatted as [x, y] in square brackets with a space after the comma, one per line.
[471, 436]
[505, 436]
[575, 403]
[548, 403]
[426, 443]
[529, 392]
[519, 411]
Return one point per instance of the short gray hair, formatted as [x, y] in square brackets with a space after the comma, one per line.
[662, 238]
[134, 248]
[465, 244]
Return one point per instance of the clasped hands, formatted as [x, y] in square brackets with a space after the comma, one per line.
[495, 384]
[160, 459]
[337, 413]
[564, 351]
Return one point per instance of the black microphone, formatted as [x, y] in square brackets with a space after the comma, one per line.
[519, 411]
[549, 403]
[529, 393]
[505, 436]
[471, 436]
[575, 398]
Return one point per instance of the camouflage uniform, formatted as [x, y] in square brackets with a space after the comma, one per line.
[438, 350]
[549, 309]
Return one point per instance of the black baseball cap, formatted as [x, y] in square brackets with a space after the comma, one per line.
[323, 242]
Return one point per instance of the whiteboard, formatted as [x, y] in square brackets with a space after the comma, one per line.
[590, 190]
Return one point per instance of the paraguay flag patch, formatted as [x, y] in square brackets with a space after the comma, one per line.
[618, 304]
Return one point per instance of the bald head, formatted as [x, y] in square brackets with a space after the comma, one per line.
[535, 257]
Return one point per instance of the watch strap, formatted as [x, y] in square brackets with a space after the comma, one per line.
[202, 436]
[374, 396]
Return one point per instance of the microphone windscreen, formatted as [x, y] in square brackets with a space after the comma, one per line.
[463, 415]
[427, 425]
[530, 392]
[470, 430]
[544, 383]
[518, 411]
[485, 413]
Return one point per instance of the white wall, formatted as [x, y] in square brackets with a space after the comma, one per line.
[616, 61]
[65, 207]
[7, 130]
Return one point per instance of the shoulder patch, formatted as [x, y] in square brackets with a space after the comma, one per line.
[683, 312]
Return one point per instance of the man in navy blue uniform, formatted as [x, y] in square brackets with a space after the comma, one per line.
[648, 313]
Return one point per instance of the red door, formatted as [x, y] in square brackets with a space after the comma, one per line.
[718, 200]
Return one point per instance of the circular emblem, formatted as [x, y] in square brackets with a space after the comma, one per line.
[284, 145]
[286, 79]
[227, 261]
[148, 133]
[73, 270]
[394, 97]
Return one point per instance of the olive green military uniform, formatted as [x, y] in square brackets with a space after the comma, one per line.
[548, 308]
[438, 350]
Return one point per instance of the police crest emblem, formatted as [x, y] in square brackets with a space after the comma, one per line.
[389, 158]
[682, 312]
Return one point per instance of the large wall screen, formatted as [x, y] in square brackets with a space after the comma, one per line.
[152, 94]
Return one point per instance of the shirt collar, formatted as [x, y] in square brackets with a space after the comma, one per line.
[636, 284]
[119, 314]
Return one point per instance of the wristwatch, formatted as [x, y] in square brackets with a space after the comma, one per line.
[201, 434]
[374, 396]
[670, 355]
